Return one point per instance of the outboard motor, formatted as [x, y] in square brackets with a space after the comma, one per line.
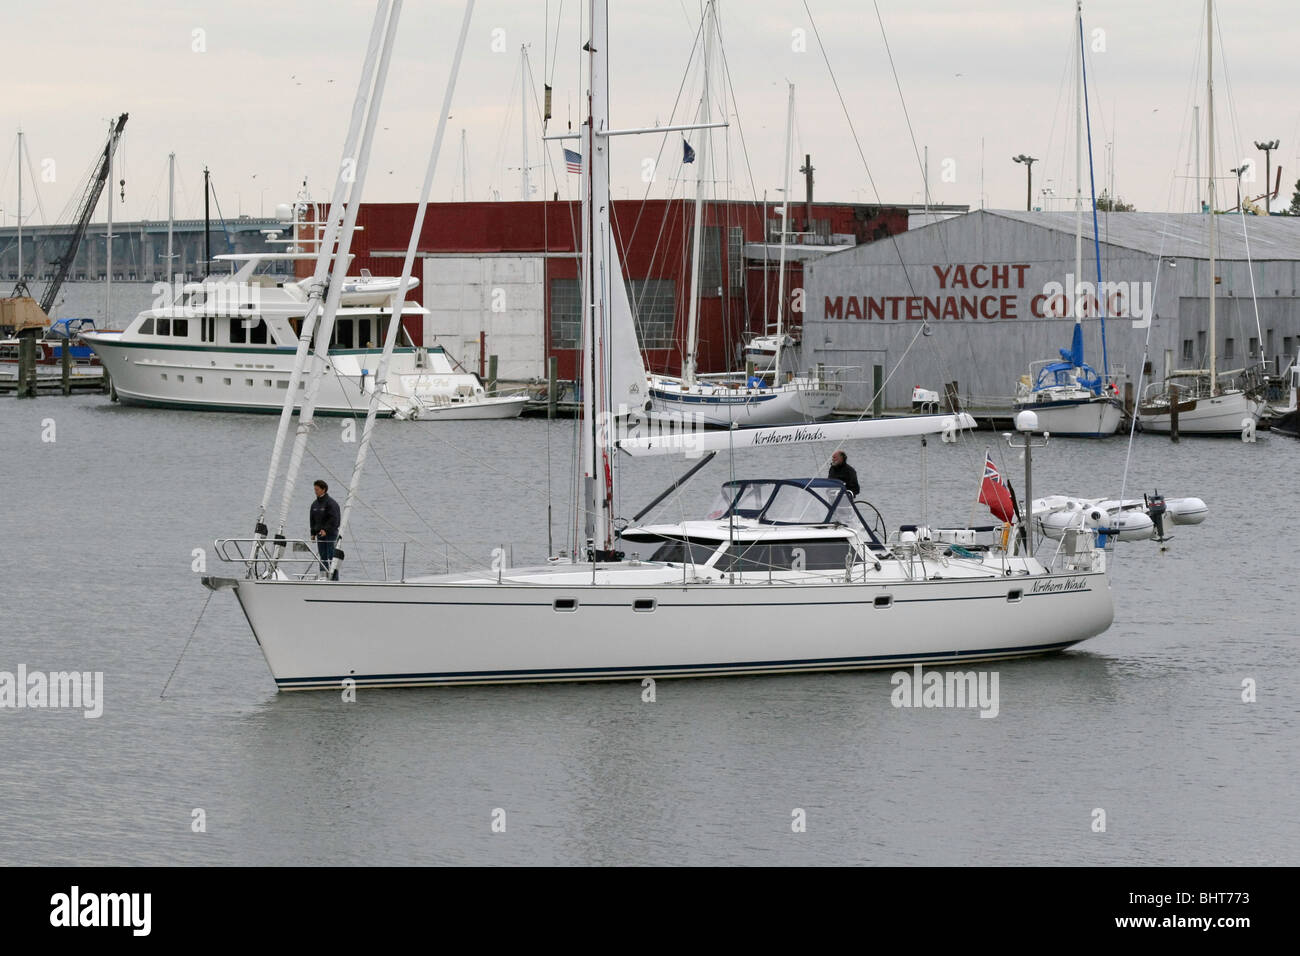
[1156, 512]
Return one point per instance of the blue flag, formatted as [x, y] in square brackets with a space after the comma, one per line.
[688, 154]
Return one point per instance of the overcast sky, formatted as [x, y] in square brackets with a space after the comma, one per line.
[265, 100]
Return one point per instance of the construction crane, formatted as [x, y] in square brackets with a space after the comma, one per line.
[85, 209]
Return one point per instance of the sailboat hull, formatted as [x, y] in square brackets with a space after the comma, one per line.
[315, 635]
[720, 406]
[1087, 418]
[1219, 415]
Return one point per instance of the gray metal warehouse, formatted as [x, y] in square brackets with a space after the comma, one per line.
[990, 291]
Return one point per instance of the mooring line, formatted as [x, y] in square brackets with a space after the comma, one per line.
[186, 647]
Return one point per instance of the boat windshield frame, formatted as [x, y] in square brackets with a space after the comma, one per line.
[785, 502]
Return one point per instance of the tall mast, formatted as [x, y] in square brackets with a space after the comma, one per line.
[525, 188]
[785, 231]
[108, 242]
[689, 362]
[20, 205]
[1209, 113]
[1078, 170]
[596, 282]
[207, 225]
[171, 210]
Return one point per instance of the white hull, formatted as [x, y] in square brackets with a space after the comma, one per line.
[720, 407]
[471, 410]
[229, 380]
[1097, 417]
[1220, 415]
[317, 634]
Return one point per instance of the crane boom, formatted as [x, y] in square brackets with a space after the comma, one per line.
[85, 209]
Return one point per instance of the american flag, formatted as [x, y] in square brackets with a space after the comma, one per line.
[573, 161]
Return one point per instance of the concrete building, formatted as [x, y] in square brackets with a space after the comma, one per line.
[976, 298]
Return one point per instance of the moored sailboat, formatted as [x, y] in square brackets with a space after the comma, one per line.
[781, 575]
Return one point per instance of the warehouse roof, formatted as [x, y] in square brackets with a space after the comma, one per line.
[1178, 234]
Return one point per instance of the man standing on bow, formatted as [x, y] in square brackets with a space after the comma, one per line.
[325, 525]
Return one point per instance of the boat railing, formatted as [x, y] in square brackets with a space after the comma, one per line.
[299, 559]
[1077, 550]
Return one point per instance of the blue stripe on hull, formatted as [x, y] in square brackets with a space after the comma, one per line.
[709, 399]
[682, 670]
[247, 409]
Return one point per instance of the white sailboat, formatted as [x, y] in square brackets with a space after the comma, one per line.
[1069, 397]
[1204, 405]
[781, 575]
[726, 400]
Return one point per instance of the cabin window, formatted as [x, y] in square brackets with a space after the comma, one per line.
[207, 330]
[282, 383]
[1229, 347]
[818, 554]
[343, 337]
[146, 327]
[248, 381]
[682, 552]
[181, 327]
[364, 339]
[238, 332]
[1254, 346]
[1269, 340]
[1286, 345]
[257, 332]
[226, 381]
[198, 379]
[164, 326]
[266, 382]
[1188, 355]
[180, 378]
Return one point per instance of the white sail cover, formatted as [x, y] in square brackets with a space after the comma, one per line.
[698, 442]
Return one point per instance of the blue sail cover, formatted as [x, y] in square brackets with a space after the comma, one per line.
[1071, 366]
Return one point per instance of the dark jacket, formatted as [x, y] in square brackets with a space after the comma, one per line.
[325, 516]
[846, 474]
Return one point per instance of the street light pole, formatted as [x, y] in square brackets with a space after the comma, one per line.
[1239, 170]
[1268, 148]
[1029, 186]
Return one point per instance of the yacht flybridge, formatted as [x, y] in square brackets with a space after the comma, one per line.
[780, 575]
[228, 343]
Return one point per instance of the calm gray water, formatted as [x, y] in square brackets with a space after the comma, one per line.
[1145, 721]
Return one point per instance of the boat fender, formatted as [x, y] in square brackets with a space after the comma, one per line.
[1006, 534]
